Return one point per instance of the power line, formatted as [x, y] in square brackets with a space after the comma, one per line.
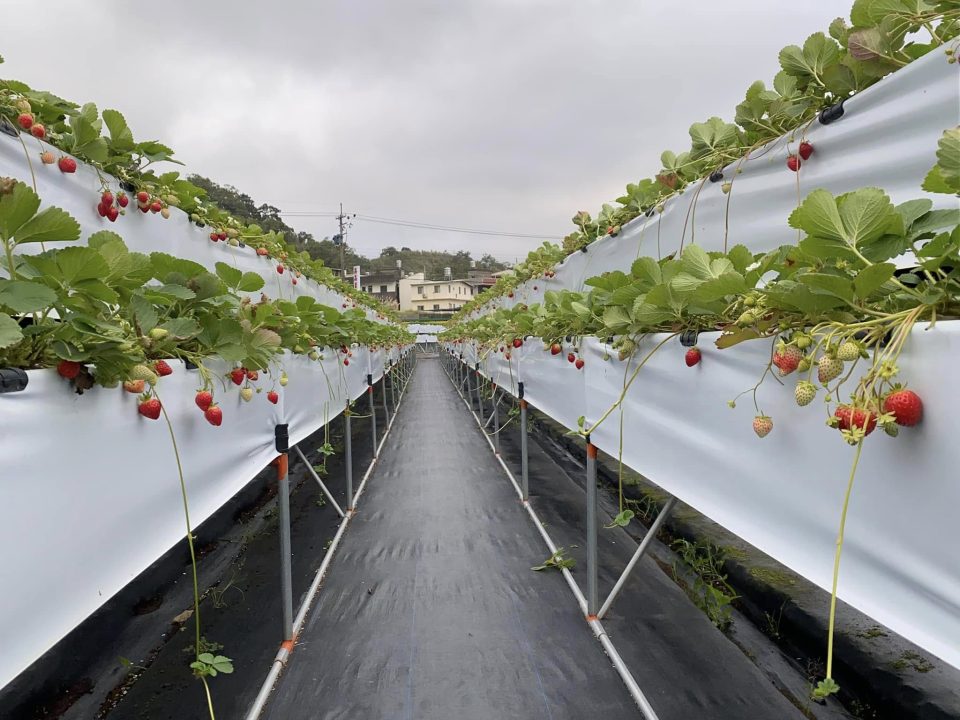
[425, 226]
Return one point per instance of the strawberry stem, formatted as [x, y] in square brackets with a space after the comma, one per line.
[836, 560]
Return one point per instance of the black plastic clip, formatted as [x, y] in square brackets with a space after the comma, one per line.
[190, 365]
[832, 113]
[688, 338]
[520, 390]
[13, 380]
[716, 176]
[583, 249]
[282, 438]
[7, 128]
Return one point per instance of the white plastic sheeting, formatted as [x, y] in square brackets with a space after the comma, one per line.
[91, 494]
[784, 493]
[886, 138]
[425, 333]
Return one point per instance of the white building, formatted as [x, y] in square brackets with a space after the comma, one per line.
[418, 294]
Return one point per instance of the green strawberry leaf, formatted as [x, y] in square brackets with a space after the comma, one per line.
[24, 296]
[871, 278]
[10, 332]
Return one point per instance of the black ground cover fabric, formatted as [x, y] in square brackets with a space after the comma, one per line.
[431, 611]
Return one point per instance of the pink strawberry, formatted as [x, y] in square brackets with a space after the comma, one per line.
[134, 386]
[38, 131]
[67, 164]
[762, 425]
[25, 120]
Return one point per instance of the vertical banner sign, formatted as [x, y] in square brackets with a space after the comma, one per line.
[356, 276]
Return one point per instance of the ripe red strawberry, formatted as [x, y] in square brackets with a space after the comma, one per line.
[107, 198]
[510, 294]
[280, 270]
[293, 280]
[273, 397]
[346, 362]
[123, 200]
[162, 368]
[47, 157]
[214, 237]
[150, 408]
[113, 213]
[69, 369]
[222, 235]
[25, 120]
[261, 251]
[762, 425]
[134, 386]
[849, 417]
[571, 357]
[793, 162]
[517, 342]
[204, 399]
[214, 415]
[101, 210]
[692, 357]
[555, 349]
[67, 164]
[507, 355]
[155, 206]
[143, 197]
[905, 406]
[579, 364]
[143, 208]
[864, 419]
[253, 375]
[238, 375]
[805, 150]
[788, 359]
[38, 131]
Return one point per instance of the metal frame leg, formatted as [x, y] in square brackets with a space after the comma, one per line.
[393, 388]
[592, 594]
[286, 561]
[386, 412]
[373, 418]
[644, 544]
[313, 473]
[348, 456]
[524, 460]
[496, 422]
[480, 395]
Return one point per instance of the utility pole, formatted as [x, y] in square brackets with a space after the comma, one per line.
[341, 238]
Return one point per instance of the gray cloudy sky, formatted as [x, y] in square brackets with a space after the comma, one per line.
[494, 114]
